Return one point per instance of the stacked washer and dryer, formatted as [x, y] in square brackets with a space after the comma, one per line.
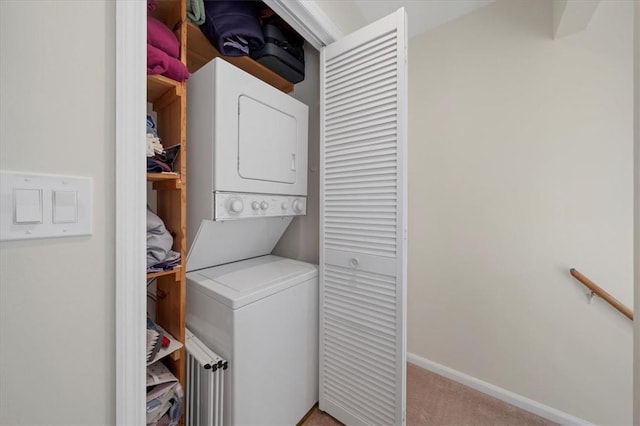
[247, 180]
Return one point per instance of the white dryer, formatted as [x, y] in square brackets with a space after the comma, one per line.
[247, 179]
[247, 144]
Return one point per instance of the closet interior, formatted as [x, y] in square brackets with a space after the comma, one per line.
[167, 187]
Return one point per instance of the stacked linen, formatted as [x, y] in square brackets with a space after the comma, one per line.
[163, 50]
[162, 162]
[154, 146]
[164, 396]
[160, 257]
[159, 158]
[195, 11]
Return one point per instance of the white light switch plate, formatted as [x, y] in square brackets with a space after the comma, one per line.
[66, 206]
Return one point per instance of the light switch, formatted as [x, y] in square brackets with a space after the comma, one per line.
[65, 206]
[27, 206]
[35, 205]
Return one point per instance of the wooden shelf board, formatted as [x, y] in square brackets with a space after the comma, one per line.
[176, 355]
[159, 177]
[200, 52]
[175, 270]
[159, 85]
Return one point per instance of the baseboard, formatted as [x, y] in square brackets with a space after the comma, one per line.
[509, 397]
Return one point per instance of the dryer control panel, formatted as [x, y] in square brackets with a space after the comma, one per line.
[239, 205]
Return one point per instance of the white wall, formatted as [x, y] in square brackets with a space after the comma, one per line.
[520, 168]
[57, 332]
[345, 14]
[300, 240]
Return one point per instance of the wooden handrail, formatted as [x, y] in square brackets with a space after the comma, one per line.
[597, 290]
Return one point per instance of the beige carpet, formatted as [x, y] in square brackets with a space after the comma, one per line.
[435, 400]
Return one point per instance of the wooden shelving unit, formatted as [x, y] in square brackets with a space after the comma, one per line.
[168, 99]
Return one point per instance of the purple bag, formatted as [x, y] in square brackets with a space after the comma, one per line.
[232, 27]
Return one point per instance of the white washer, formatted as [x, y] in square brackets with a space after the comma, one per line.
[262, 315]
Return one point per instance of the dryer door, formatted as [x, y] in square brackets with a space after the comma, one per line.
[266, 142]
[259, 133]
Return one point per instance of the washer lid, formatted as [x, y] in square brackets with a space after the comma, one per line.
[240, 283]
[217, 243]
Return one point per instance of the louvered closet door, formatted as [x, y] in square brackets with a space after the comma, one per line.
[363, 225]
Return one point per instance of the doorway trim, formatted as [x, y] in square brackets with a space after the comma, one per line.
[130, 202]
[130, 180]
[308, 19]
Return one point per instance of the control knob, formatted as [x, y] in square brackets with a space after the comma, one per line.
[284, 205]
[298, 206]
[264, 205]
[255, 205]
[235, 205]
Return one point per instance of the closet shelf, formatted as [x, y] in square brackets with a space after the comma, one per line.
[161, 177]
[168, 185]
[173, 271]
[165, 181]
[159, 86]
[200, 52]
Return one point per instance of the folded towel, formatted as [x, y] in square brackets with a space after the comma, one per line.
[195, 11]
[154, 146]
[159, 240]
[159, 62]
[158, 35]
[157, 166]
[152, 129]
[232, 26]
[171, 261]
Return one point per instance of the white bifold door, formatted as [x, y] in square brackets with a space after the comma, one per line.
[363, 225]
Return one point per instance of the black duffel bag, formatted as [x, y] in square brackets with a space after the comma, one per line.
[282, 52]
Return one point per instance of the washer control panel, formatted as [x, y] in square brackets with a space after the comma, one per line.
[234, 205]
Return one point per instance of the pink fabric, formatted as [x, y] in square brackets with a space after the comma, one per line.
[158, 35]
[158, 62]
[176, 70]
[151, 5]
